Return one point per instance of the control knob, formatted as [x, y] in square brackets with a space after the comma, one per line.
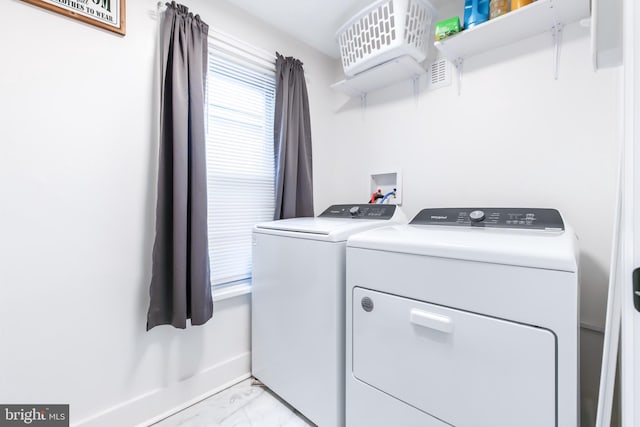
[354, 210]
[476, 216]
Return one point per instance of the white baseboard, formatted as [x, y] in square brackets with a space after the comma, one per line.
[158, 404]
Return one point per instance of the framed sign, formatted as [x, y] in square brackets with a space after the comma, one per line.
[107, 14]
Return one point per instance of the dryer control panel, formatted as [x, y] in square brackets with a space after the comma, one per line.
[521, 218]
[361, 211]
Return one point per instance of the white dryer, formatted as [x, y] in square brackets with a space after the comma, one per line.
[298, 306]
[466, 318]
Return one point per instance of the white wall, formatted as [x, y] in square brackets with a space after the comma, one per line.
[78, 157]
[515, 137]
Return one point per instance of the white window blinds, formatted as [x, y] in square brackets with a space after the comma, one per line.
[240, 162]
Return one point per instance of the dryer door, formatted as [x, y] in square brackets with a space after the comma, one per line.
[463, 368]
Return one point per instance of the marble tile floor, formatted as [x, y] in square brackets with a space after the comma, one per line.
[246, 404]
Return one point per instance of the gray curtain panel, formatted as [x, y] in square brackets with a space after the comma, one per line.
[180, 283]
[292, 129]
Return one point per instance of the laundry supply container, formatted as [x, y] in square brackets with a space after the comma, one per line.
[517, 4]
[475, 12]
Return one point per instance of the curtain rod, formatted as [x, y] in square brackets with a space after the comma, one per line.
[217, 35]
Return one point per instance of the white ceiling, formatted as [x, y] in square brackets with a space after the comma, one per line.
[314, 22]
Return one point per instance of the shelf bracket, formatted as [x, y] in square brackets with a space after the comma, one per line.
[556, 37]
[416, 87]
[458, 64]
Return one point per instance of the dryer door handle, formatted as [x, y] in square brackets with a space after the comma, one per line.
[431, 320]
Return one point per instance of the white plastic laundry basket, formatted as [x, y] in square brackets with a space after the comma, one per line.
[386, 30]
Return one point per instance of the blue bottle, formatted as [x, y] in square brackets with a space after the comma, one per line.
[475, 12]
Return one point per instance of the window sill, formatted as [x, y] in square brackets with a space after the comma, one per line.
[227, 292]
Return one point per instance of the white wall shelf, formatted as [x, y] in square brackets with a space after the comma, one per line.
[538, 17]
[380, 76]
[535, 18]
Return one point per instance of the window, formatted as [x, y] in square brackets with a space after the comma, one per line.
[240, 160]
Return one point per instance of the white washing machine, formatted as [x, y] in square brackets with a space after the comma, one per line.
[298, 306]
[464, 317]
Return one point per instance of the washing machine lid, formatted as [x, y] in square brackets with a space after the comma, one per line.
[336, 223]
[550, 247]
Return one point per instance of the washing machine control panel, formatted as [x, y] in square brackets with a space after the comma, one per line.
[361, 211]
[522, 218]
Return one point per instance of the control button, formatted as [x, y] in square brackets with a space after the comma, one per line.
[476, 216]
[354, 210]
